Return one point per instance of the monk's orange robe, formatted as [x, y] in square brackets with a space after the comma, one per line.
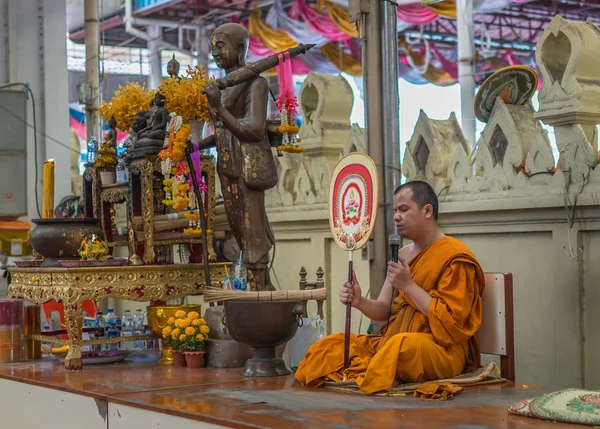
[412, 347]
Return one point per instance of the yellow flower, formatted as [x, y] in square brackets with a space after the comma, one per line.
[182, 337]
[193, 315]
[180, 314]
[171, 320]
[196, 322]
[202, 322]
[204, 329]
[175, 333]
[166, 331]
[184, 323]
[185, 97]
[200, 337]
[190, 331]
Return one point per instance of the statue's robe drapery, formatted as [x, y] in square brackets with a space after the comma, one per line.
[246, 168]
[412, 347]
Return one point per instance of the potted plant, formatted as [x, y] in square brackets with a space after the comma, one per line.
[172, 337]
[193, 337]
[106, 163]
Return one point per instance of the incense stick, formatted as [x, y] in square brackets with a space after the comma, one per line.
[212, 295]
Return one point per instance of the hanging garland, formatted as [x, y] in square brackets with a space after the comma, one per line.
[287, 105]
[173, 165]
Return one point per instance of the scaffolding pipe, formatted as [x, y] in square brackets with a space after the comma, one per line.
[373, 90]
[390, 113]
[466, 67]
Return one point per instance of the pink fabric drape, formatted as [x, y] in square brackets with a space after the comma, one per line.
[257, 49]
[416, 14]
[319, 22]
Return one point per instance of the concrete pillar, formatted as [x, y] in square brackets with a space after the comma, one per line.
[36, 54]
[92, 70]
[154, 52]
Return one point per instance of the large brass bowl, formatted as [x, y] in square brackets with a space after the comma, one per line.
[158, 315]
[263, 325]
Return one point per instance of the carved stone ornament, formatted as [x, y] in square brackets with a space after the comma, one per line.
[567, 56]
[512, 141]
[356, 140]
[431, 149]
[326, 104]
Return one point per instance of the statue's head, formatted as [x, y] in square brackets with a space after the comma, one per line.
[159, 99]
[229, 44]
[112, 122]
[173, 67]
[139, 122]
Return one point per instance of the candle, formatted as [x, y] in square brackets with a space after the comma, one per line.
[48, 197]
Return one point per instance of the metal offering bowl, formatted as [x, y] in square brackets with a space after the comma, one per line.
[158, 315]
[263, 325]
[60, 238]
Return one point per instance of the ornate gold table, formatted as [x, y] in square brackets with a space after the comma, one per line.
[72, 286]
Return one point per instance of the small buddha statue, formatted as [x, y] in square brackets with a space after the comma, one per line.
[173, 67]
[111, 135]
[149, 139]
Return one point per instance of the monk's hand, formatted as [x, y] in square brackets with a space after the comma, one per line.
[399, 274]
[213, 94]
[350, 292]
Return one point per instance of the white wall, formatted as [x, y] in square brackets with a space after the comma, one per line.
[555, 291]
[35, 39]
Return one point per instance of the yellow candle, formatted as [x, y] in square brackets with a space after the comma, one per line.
[48, 197]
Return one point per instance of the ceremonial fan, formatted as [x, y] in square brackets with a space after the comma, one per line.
[353, 200]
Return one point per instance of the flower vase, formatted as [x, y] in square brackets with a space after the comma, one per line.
[196, 132]
[108, 177]
[178, 358]
[194, 359]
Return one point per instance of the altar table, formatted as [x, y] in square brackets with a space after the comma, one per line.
[72, 286]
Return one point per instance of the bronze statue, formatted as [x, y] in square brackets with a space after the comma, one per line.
[245, 162]
[173, 67]
[150, 139]
[111, 135]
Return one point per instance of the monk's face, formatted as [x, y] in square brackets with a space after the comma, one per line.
[410, 219]
[224, 52]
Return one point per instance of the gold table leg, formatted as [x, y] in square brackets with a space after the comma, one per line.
[74, 322]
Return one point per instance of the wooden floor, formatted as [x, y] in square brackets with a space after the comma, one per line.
[223, 397]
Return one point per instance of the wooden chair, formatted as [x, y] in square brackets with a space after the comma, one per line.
[496, 334]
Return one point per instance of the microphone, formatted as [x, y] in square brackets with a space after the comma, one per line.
[394, 241]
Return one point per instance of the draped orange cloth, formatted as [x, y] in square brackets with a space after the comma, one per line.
[412, 347]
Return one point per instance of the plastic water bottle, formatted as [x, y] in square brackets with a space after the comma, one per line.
[240, 275]
[138, 328]
[111, 328]
[46, 345]
[92, 148]
[228, 283]
[99, 332]
[127, 329]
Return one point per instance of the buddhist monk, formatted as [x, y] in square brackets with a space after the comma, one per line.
[435, 292]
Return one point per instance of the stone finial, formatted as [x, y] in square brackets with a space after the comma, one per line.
[326, 103]
[567, 56]
[505, 145]
[431, 149]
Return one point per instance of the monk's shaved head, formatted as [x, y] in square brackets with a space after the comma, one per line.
[236, 33]
[422, 194]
